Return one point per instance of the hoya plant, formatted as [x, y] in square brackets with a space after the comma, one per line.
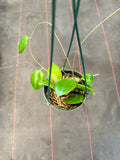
[66, 89]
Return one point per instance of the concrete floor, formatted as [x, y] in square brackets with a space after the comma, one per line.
[70, 130]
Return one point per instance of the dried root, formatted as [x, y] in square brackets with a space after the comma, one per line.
[59, 102]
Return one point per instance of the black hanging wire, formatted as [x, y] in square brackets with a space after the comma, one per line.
[78, 39]
[75, 13]
[52, 43]
[73, 31]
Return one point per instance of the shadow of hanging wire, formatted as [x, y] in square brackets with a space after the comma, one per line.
[13, 145]
[48, 55]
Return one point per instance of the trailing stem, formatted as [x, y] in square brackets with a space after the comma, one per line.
[57, 40]
[93, 30]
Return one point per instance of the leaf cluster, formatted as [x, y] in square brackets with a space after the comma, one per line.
[61, 86]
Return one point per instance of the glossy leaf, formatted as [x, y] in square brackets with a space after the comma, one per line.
[83, 88]
[89, 78]
[23, 44]
[74, 99]
[56, 74]
[64, 86]
[37, 78]
[52, 84]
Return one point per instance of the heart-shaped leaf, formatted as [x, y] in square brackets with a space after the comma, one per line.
[64, 86]
[23, 44]
[37, 78]
[83, 88]
[74, 99]
[89, 78]
[52, 84]
[56, 73]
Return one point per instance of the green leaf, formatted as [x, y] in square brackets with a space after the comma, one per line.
[89, 78]
[23, 44]
[74, 99]
[89, 86]
[64, 86]
[37, 78]
[83, 88]
[56, 73]
[52, 84]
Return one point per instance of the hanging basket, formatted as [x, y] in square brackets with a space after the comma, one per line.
[65, 91]
[75, 106]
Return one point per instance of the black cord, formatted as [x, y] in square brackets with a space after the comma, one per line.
[73, 31]
[52, 43]
[79, 43]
